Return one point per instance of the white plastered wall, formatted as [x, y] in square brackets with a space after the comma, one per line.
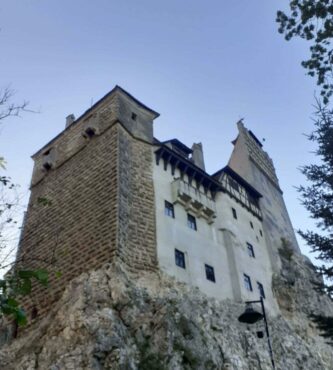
[221, 245]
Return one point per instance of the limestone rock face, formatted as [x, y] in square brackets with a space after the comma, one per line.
[106, 320]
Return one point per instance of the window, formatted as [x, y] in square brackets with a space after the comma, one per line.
[260, 231]
[234, 213]
[89, 132]
[134, 116]
[251, 224]
[191, 222]
[253, 201]
[48, 159]
[180, 259]
[250, 250]
[47, 166]
[34, 312]
[261, 289]
[168, 209]
[233, 184]
[247, 282]
[210, 275]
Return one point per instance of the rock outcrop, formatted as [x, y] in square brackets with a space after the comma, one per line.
[107, 320]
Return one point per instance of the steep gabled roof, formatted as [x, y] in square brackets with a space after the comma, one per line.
[228, 170]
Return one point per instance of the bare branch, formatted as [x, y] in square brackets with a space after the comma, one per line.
[8, 109]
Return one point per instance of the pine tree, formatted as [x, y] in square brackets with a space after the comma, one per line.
[317, 197]
[312, 20]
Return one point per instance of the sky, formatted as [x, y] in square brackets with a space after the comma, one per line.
[202, 65]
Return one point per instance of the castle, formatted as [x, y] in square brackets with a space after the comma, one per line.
[106, 190]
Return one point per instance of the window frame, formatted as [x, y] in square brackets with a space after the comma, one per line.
[250, 250]
[210, 273]
[261, 290]
[180, 256]
[169, 209]
[192, 222]
[247, 283]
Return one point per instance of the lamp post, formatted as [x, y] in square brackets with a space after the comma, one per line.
[250, 316]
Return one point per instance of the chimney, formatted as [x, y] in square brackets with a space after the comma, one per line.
[197, 155]
[70, 119]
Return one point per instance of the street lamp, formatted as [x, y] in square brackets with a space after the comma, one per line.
[250, 316]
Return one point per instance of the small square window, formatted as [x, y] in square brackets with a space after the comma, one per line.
[251, 224]
[234, 213]
[180, 259]
[47, 166]
[261, 289]
[247, 282]
[250, 250]
[210, 275]
[260, 231]
[191, 222]
[134, 116]
[168, 209]
[89, 132]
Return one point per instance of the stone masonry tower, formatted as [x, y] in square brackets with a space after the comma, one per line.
[251, 162]
[92, 194]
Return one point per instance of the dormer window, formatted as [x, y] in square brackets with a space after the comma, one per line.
[48, 159]
[47, 166]
[91, 126]
[89, 132]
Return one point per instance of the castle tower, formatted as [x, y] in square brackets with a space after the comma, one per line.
[106, 191]
[251, 162]
[92, 194]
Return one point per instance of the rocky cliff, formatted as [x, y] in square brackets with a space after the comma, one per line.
[106, 320]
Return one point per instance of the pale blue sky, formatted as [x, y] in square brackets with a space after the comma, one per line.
[201, 64]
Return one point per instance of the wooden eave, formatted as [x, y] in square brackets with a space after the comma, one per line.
[187, 167]
[229, 171]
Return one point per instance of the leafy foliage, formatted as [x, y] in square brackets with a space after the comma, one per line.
[16, 285]
[325, 325]
[312, 21]
[18, 282]
[318, 200]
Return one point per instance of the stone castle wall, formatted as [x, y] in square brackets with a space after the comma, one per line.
[251, 162]
[96, 205]
[76, 232]
[136, 224]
